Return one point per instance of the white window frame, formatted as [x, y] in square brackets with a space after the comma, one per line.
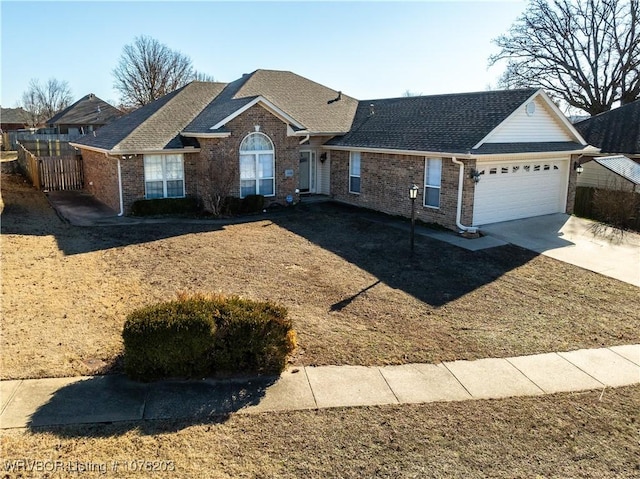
[256, 157]
[428, 183]
[164, 175]
[358, 155]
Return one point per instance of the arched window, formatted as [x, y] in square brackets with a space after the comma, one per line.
[257, 166]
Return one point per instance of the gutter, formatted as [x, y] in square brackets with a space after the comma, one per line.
[470, 229]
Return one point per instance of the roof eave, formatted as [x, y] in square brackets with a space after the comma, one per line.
[399, 151]
[124, 152]
[225, 134]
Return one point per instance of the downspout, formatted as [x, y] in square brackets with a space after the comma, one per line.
[306, 138]
[470, 229]
[120, 189]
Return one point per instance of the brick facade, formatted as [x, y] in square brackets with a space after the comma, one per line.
[385, 180]
[571, 190]
[101, 177]
[101, 172]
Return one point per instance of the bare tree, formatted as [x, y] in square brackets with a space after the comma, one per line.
[148, 70]
[200, 76]
[585, 53]
[223, 180]
[408, 93]
[41, 102]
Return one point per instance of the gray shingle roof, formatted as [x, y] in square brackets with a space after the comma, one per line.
[441, 123]
[13, 116]
[306, 101]
[622, 166]
[614, 131]
[88, 110]
[155, 126]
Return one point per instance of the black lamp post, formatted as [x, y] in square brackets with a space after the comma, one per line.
[413, 194]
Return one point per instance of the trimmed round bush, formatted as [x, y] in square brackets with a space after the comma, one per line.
[171, 339]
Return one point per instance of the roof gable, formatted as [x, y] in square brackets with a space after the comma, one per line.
[437, 123]
[537, 119]
[296, 100]
[88, 110]
[614, 131]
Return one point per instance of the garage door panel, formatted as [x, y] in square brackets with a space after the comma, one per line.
[514, 190]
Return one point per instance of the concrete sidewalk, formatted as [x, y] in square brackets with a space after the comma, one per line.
[99, 399]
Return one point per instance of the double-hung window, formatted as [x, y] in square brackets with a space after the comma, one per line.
[163, 176]
[354, 172]
[257, 166]
[432, 180]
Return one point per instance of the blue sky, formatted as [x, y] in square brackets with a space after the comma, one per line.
[366, 49]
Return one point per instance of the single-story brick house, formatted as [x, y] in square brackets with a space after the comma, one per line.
[84, 116]
[478, 158]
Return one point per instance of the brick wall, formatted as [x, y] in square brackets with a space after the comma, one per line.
[101, 177]
[571, 190]
[218, 153]
[385, 180]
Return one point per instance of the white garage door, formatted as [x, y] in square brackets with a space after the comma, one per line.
[511, 190]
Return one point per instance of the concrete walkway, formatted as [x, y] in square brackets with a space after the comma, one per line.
[99, 399]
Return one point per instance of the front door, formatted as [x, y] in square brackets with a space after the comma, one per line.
[307, 172]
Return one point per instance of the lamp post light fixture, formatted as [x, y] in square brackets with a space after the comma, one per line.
[413, 194]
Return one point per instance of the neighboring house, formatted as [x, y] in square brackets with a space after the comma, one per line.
[12, 119]
[611, 173]
[478, 158]
[615, 131]
[84, 116]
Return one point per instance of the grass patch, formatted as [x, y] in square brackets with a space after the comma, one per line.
[581, 435]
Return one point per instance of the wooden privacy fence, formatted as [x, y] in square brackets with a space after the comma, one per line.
[41, 148]
[51, 172]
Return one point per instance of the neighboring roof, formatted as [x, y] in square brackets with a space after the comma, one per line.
[614, 131]
[88, 110]
[155, 126]
[440, 123]
[621, 165]
[13, 116]
[312, 105]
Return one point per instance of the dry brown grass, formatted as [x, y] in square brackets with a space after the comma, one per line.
[352, 292]
[581, 435]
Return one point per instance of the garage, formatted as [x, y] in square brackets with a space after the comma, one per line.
[510, 190]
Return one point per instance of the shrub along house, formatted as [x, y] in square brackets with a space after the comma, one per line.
[478, 157]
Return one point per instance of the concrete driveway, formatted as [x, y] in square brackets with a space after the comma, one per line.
[576, 241]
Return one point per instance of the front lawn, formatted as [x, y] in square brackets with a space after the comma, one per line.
[353, 292]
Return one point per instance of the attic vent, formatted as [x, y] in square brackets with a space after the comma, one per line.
[91, 95]
[372, 109]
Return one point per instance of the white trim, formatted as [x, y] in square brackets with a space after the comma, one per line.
[539, 93]
[468, 156]
[188, 149]
[266, 103]
[206, 135]
[397, 152]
